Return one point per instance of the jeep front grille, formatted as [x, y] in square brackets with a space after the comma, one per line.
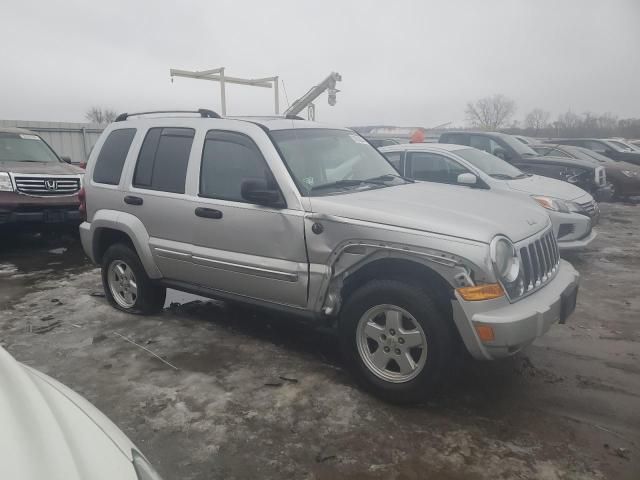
[44, 185]
[540, 259]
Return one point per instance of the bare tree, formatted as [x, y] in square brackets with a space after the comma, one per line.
[537, 119]
[490, 113]
[100, 115]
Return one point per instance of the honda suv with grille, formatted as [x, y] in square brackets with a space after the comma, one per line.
[37, 188]
[311, 220]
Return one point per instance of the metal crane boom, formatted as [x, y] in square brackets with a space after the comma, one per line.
[304, 101]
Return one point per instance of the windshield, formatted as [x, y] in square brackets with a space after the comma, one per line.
[22, 147]
[490, 164]
[518, 146]
[586, 154]
[622, 145]
[323, 161]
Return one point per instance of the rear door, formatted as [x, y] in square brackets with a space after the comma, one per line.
[156, 195]
[240, 247]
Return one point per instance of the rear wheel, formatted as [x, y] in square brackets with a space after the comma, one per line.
[127, 285]
[398, 344]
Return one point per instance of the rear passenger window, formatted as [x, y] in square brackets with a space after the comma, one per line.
[112, 156]
[228, 159]
[163, 159]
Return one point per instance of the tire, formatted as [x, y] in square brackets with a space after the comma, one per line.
[443, 352]
[143, 296]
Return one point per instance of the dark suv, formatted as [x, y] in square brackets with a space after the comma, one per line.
[608, 148]
[37, 188]
[586, 175]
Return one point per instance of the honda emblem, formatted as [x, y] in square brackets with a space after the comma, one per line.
[50, 184]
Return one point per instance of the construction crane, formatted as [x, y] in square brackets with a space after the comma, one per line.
[306, 101]
[218, 75]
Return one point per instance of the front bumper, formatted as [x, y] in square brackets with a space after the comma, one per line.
[579, 243]
[515, 325]
[574, 231]
[24, 210]
[603, 194]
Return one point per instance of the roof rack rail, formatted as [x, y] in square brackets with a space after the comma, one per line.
[291, 116]
[204, 113]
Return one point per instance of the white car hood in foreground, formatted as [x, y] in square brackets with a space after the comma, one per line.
[549, 187]
[49, 432]
[463, 212]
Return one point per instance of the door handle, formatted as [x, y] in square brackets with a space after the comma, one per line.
[131, 200]
[208, 213]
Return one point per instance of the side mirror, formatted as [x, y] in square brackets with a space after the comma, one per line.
[66, 159]
[501, 153]
[258, 192]
[467, 179]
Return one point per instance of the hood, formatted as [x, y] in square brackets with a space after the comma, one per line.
[48, 431]
[631, 157]
[573, 162]
[550, 187]
[622, 165]
[45, 168]
[471, 213]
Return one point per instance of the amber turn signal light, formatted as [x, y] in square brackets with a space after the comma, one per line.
[485, 332]
[481, 292]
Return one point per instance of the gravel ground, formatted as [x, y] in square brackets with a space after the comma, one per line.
[258, 396]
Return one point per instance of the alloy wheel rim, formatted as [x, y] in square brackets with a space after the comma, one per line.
[391, 343]
[122, 284]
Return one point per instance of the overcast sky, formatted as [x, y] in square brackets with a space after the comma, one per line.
[402, 62]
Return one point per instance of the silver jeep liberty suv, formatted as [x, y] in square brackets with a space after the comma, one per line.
[312, 220]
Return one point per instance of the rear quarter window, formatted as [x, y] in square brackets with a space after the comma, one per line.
[112, 156]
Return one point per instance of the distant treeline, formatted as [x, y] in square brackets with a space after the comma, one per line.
[587, 125]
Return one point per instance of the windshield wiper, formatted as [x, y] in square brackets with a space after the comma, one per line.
[387, 177]
[346, 182]
[501, 176]
[522, 175]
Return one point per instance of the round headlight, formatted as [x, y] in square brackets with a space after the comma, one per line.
[505, 261]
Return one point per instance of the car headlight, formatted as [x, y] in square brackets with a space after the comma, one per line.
[551, 203]
[506, 266]
[5, 182]
[557, 205]
[143, 468]
[629, 173]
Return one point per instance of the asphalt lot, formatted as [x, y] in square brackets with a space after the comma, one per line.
[257, 396]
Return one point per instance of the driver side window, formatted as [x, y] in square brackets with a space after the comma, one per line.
[432, 167]
[228, 160]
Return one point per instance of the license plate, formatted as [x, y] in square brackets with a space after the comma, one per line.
[568, 303]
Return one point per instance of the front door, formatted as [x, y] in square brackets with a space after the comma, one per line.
[240, 247]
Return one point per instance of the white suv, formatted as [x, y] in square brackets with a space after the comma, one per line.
[312, 220]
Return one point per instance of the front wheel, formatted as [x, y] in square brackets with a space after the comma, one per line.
[397, 342]
[126, 284]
